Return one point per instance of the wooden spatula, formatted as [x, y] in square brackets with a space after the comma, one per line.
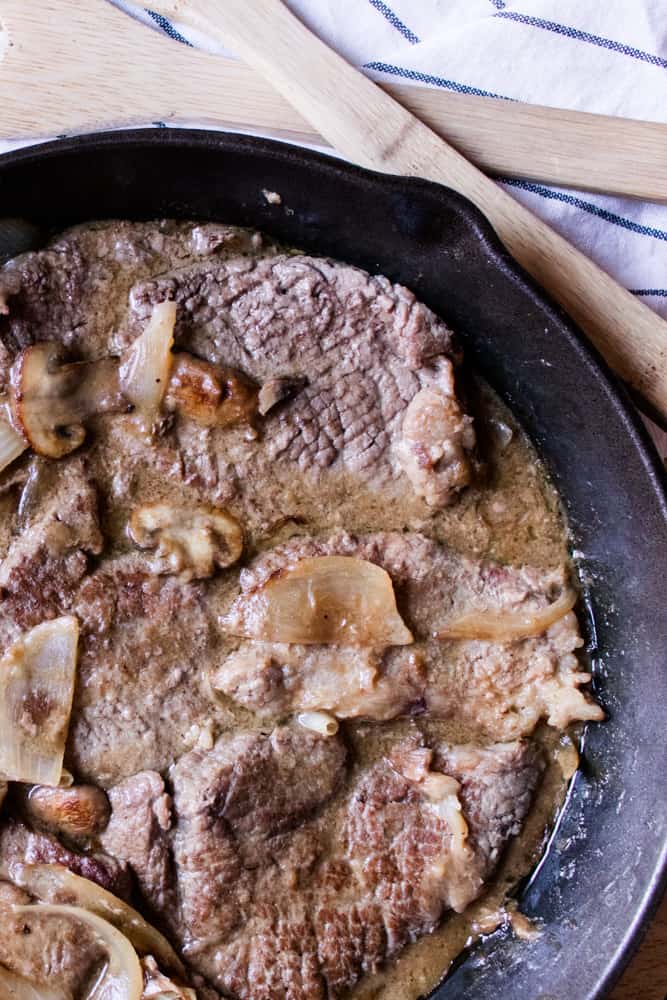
[73, 66]
[367, 125]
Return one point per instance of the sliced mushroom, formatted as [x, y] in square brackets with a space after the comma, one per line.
[193, 541]
[50, 401]
[278, 390]
[210, 394]
[80, 811]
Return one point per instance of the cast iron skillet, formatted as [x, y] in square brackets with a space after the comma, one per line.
[606, 864]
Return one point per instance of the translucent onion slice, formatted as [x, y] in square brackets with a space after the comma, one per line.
[442, 792]
[499, 627]
[122, 978]
[36, 689]
[158, 987]
[13, 987]
[56, 884]
[11, 444]
[327, 599]
[145, 368]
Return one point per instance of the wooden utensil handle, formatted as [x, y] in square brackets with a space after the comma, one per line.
[365, 124]
[74, 66]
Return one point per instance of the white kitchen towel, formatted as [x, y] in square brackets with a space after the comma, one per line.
[609, 57]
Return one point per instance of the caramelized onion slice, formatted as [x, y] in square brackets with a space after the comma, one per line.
[328, 599]
[499, 627]
[36, 688]
[122, 978]
[11, 444]
[13, 987]
[146, 365]
[56, 884]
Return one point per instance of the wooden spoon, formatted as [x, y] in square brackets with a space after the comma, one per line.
[368, 126]
[73, 66]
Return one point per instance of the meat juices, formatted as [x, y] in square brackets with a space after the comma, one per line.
[283, 865]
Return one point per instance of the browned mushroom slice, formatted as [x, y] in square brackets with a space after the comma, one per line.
[50, 401]
[210, 394]
[191, 541]
[78, 812]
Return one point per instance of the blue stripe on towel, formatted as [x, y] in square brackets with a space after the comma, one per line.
[168, 27]
[583, 36]
[395, 21]
[586, 206]
[438, 81]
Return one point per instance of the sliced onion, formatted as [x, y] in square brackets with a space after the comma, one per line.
[499, 627]
[327, 599]
[13, 987]
[318, 722]
[122, 978]
[442, 792]
[145, 368]
[56, 884]
[158, 987]
[36, 689]
[11, 444]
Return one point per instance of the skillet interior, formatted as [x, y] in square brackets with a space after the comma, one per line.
[601, 876]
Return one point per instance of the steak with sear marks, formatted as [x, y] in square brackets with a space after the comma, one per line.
[499, 689]
[363, 347]
[295, 877]
[374, 365]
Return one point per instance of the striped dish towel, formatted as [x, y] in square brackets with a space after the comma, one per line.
[608, 57]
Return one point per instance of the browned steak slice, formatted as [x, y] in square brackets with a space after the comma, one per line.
[365, 349]
[140, 688]
[494, 795]
[47, 560]
[137, 835]
[292, 882]
[501, 689]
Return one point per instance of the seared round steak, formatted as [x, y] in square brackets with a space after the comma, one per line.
[362, 349]
[499, 689]
[293, 878]
[46, 562]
